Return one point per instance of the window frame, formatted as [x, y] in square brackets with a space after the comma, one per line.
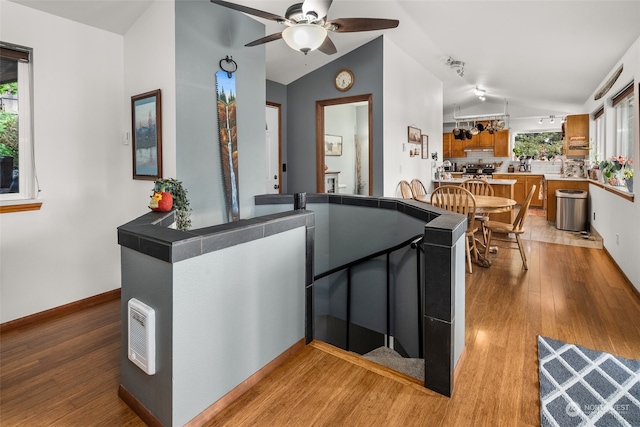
[24, 199]
[623, 102]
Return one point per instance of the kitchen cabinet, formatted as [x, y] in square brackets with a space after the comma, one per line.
[557, 184]
[576, 135]
[501, 144]
[529, 182]
[522, 186]
[452, 147]
[485, 139]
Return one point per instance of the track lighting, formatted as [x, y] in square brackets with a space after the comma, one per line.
[482, 98]
[456, 65]
[552, 119]
[540, 121]
[479, 92]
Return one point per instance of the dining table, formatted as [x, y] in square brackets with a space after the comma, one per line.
[484, 205]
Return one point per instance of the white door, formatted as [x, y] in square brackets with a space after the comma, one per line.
[273, 149]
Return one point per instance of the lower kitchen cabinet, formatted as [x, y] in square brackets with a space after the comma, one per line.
[559, 184]
[522, 186]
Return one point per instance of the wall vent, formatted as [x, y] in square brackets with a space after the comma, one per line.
[142, 336]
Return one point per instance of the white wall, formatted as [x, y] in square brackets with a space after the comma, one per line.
[68, 249]
[615, 215]
[413, 99]
[149, 64]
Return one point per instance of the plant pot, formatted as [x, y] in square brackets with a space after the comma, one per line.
[629, 183]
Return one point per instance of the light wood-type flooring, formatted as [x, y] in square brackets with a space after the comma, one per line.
[65, 371]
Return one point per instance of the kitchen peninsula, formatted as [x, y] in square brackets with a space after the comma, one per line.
[501, 188]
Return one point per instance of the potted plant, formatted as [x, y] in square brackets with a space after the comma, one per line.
[180, 200]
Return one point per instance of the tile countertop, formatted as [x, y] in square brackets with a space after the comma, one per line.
[490, 181]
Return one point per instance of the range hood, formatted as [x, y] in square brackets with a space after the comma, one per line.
[478, 148]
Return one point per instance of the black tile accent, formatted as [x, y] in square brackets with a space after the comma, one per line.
[438, 289]
[308, 315]
[438, 356]
[171, 245]
[388, 204]
[360, 201]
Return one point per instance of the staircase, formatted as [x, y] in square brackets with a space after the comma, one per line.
[390, 358]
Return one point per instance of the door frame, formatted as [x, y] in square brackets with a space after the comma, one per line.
[279, 108]
[320, 135]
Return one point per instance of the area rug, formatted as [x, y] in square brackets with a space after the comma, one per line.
[583, 387]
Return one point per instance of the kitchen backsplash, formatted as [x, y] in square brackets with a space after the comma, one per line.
[537, 166]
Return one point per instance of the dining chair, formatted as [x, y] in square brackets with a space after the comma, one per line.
[504, 230]
[418, 189]
[404, 189]
[480, 187]
[458, 199]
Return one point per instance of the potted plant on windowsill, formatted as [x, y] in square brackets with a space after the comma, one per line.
[180, 200]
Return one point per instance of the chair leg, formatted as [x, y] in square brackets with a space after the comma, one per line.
[468, 254]
[487, 244]
[522, 254]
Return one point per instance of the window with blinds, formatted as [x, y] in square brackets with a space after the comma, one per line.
[624, 106]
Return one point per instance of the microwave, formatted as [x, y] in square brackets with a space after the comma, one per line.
[451, 168]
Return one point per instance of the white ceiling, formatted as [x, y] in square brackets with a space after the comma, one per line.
[542, 57]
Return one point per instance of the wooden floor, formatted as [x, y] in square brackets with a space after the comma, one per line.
[65, 372]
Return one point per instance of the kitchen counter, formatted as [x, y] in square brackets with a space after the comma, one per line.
[558, 177]
[490, 181]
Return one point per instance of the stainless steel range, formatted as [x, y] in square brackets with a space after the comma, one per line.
[479, 170]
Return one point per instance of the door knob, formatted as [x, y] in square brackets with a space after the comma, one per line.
[275, 176]
[275, 187]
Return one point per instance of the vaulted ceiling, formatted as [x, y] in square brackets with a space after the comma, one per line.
[542, 57]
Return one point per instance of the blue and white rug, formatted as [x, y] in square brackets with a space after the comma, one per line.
[582, 387]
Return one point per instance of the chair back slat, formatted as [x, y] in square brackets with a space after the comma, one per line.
[479, 187]
[404, 189]
[418, 188]
[455, 198]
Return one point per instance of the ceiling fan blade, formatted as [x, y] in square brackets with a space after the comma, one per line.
[320, 7]
[327, 46]
[352, 25]
[250, 11]
[267, 39]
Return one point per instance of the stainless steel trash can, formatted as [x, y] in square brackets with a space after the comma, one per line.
[571, 210]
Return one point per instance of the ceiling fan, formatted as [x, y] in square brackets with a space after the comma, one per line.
[307, 25]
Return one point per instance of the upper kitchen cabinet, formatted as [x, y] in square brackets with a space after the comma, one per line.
[576, 135]
[501, 144]
[452, 147]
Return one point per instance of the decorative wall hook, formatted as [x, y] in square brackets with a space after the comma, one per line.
[229, 60]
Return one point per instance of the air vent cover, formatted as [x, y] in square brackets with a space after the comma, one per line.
[142, 336]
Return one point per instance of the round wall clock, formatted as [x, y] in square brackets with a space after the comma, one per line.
[344, 80]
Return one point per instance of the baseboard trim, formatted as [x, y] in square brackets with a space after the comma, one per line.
[226, 400]
[137, 407]
[60, 311]
[629, 283]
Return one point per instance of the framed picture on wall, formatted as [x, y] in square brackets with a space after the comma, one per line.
[414, 135]
[425, 146]
[146, 123]
[332, 145]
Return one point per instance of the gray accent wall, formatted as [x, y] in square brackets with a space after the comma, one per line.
[366, 63]
[205, 34]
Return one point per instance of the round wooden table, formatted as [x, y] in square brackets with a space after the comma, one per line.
[493, 204]
[485, 205]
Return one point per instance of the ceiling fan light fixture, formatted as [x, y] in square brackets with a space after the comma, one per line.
[479, 92]
[304, 37]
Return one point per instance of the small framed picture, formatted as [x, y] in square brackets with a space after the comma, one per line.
[425, 146]
[414, 135]
[332, 145]
[146, 123]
